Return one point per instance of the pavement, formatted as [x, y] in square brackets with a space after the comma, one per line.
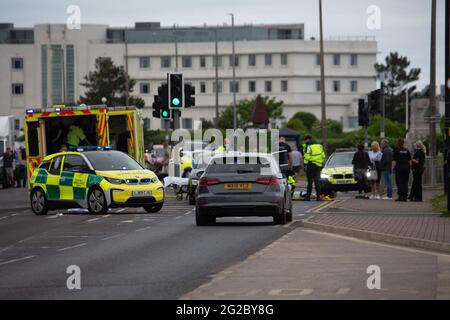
[14, 199]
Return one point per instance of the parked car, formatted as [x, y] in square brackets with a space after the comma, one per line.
[243, 184]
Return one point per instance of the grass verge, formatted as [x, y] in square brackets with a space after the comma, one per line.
[439, 204]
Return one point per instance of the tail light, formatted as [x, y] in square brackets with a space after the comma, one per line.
[206, 181]
[269, 180]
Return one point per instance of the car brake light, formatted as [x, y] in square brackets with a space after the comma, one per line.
[269, 180]
[208, 181]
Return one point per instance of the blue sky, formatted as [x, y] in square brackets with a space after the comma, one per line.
[405, 25]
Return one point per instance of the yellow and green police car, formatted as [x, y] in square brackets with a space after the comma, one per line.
[337, 174]
[93, 179]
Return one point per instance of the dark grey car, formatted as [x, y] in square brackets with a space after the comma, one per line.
[243, 185]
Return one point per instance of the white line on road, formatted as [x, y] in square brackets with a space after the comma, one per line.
[106, 215]
[126, 221]
[114, 236]
[91, 220]
[142, 229]
[15, 260]
[121, 210]
[179, 217]
[14, 214]
[1, 218]
[72, 247]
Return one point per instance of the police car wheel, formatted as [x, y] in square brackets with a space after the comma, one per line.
[97, 201]
[39, 202]
[280, 218]
[153, 208]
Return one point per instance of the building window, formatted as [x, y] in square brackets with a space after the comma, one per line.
[144, 88]
[202, 87]
[284, 59]
[187, 62]
[284, 85]
[219, 61]
[317, 59]
[16, 124]
[318, 85]
[336, 85]
[252, 86]
[186, 123]
[268, 59]
[217, 87]
[268, 86]
[252, 60]
[236, 61]
[354, 59]
[144, 62]
[336, 59]
[146, 124]
[202, 62]
[17, 63]
[353, 86]
[17, 88]
[166, 62]
[234, 88]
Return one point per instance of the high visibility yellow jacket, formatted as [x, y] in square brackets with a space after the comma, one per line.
[314, 154]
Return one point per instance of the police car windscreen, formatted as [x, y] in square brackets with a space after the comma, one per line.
[111, 160]
[341, 160]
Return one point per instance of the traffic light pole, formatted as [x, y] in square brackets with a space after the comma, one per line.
[383, 112]
[447, 95]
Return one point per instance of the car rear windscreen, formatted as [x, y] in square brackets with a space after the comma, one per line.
[238, 165]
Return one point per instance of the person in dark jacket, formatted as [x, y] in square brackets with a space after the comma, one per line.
[418, 162]
[402, 167]
[360, 163]
[386, 167]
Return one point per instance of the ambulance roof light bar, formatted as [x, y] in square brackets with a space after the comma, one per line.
[90, 148]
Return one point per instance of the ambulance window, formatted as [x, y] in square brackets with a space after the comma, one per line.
[45, 165]
[74, 163]
[33, 141]
[55, 168]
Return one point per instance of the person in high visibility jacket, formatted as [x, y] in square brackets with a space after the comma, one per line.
[224, 147]
[313, 159]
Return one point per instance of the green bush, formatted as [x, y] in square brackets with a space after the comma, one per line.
[308, 119]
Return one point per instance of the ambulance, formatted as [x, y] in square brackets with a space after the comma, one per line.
[46, 130]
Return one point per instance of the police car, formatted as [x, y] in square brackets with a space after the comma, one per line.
[93, 179]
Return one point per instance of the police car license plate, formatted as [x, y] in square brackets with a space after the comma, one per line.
[344, 181]
[238, 186]
[142, 193]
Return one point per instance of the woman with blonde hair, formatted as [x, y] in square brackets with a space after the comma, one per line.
[375, 166]
[417, 165]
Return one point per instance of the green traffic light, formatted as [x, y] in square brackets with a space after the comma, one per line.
[175, 101]
[165, 113]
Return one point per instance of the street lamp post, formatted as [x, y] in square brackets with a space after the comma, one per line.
[233, 58]
[322, 84]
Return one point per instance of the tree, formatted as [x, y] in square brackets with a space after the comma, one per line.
[397, 76]
[296, 124]
[244, 109]
[108, 80]
[307, 118]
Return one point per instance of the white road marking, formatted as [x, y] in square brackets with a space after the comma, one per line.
[114, 236]
[91, 220]
[106, 215]
[14, 214]
[179, 217]
[1, 218]
[122, 210]
[72, 247]
[142, 229]
[126, 221]
[15, 260]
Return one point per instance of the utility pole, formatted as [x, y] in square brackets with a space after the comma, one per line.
[233, 58]
[216, 120]
[433, 92]
[126, 69]
[322, 84]
[447, 97]
[176, 113]
[383, 111]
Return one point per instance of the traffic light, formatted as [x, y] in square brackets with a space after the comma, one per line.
[176, 90]
[363, 113]
[160, 107]
[374, 100]
[189, 92]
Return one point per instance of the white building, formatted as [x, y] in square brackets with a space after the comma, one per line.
[45, 65]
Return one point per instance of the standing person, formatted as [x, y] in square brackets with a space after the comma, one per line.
[297, 160]
[402, 167]
[314, 159]
[285, 155]
[360, 163]
[8, 165]
[386, 167]
[375, 156]
[418, 161]
[75, 135]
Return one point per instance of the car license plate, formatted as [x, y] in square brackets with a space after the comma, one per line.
[238, 186]
[142, 193]
[344, 181]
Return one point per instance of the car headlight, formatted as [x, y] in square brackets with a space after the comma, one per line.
[114, 181]
[325, 176]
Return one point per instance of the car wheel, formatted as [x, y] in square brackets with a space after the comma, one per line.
[280, 218]
[39, 203]
[96, 201]
[202, 220]
[289, 213]
[153, 208]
